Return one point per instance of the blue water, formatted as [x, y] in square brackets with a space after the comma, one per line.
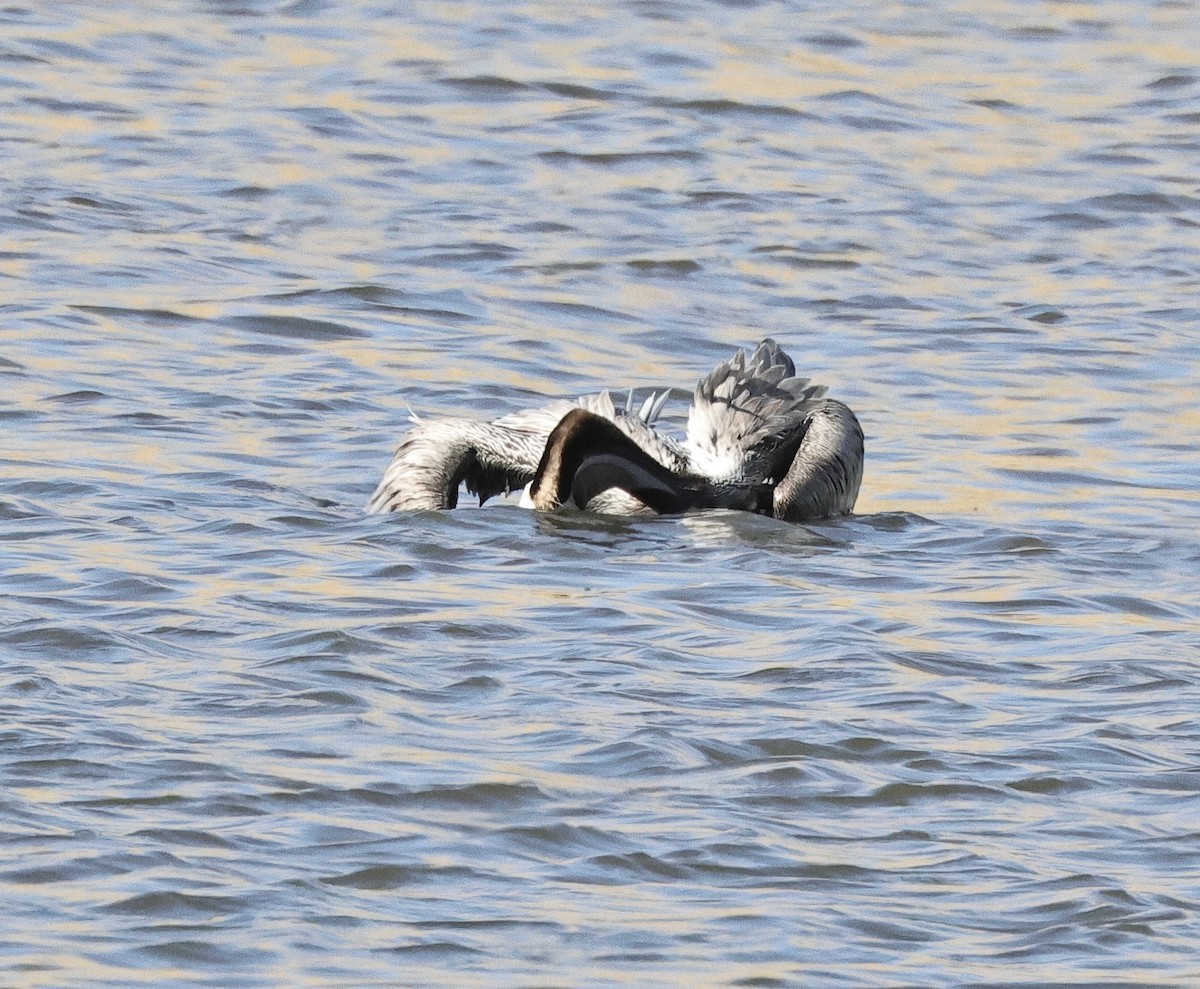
[250, 736]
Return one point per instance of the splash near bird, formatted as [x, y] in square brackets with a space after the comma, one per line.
[758, 439]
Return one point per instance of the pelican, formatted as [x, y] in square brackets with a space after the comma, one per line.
[758, 439]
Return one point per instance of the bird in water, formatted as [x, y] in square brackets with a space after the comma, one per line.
[758, 439]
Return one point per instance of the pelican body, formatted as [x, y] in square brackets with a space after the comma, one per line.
[758, 439]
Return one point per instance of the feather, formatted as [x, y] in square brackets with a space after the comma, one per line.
[744, 410]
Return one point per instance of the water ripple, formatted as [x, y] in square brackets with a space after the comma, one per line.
[248, 730]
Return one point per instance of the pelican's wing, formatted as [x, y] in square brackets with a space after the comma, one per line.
[437, 455]
[744, 409]
[826, 469]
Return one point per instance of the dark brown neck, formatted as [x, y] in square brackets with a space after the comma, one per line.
[580, 437]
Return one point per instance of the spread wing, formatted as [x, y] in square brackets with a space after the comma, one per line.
[438, 455]
[744, 411]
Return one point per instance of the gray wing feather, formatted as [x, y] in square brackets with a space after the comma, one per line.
[653, 406]
[744, 410]
[437, 455]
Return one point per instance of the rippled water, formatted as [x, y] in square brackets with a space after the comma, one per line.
[252, 737]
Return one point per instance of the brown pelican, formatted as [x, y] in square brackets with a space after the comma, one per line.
[758, 439]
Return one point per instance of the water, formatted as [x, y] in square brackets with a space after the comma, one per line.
[252, 737]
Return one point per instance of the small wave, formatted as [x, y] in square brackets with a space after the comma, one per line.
[388, 877]
[297, 328]
[1143, 202]
[611, 159]
[485, 85]
[179, 906]
[673, 266]
[734, 107]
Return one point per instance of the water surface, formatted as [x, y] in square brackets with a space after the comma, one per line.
[252, 737]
